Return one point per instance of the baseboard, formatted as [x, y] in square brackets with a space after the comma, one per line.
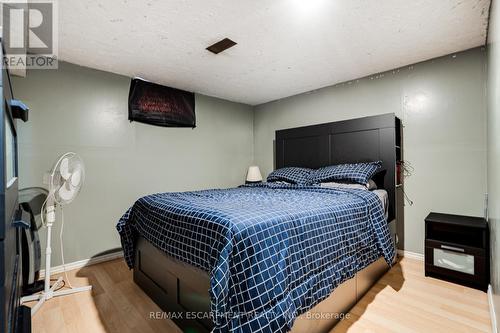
[82, 263]
[411, 255]
[493, 316]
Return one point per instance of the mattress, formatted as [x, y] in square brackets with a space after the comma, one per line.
[384, 200]
[272, 251]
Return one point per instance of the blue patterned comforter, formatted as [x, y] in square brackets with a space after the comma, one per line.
[272, 251]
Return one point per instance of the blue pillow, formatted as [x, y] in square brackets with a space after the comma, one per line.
[292, 175]
[359, 173]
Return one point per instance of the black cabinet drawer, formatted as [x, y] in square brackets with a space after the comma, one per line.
[453, 247]
[457, 234]
[457, 249]
[478, 277]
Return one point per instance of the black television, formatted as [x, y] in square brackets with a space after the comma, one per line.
[154, 104]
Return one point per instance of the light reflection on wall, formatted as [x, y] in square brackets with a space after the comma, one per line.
[416, 103]
[308, 7]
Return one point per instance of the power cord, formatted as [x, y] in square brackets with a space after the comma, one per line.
[62, 249]
[407, 170]
[407, 198]
[61, 243]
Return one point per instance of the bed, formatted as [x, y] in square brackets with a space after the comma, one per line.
[256, 257]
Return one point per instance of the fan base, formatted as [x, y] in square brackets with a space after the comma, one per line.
[44, 296]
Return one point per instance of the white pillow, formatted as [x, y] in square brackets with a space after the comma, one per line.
[369, 186]
[344, 185]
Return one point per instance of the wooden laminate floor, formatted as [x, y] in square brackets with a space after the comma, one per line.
[403, 300]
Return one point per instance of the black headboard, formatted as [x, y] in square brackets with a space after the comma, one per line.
[357, 140]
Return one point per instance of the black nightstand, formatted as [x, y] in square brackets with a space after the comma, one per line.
[457, 249]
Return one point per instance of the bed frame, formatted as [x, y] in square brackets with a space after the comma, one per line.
[178, 287]
[349, 141]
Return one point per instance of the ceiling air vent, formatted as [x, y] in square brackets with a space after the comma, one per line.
[221, 46]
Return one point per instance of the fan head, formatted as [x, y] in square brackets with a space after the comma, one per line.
[66, 178]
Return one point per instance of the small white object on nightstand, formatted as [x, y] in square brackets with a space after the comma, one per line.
[254, 175]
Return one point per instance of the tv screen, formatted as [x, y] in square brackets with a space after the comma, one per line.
[155, 104]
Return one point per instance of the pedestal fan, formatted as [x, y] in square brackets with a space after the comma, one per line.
[65, 181]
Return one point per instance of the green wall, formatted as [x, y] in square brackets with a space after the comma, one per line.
[494, 149]
[441, 102]
[442, 105]
[84, 110]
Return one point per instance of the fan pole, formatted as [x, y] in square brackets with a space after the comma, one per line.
[48, 250]
[49, 292]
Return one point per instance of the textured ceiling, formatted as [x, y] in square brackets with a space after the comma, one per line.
[285, 47]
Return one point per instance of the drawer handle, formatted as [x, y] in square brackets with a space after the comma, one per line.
[452, 248]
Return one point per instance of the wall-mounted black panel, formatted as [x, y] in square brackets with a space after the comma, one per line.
[154, 104]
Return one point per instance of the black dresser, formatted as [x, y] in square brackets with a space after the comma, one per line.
[457, 249]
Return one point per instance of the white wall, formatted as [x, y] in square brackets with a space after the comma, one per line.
[494, 148]
[442, 105]
[84, 110]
